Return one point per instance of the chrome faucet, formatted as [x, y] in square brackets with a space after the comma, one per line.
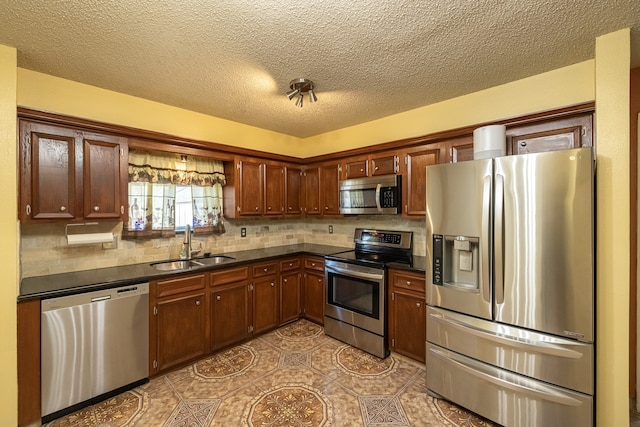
[186, 245]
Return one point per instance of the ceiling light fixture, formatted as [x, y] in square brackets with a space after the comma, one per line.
[300, 87]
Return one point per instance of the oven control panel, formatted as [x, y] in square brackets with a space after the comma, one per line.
[381, 237]
[391, 239]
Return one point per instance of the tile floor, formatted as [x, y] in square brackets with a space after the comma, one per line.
[294, 376]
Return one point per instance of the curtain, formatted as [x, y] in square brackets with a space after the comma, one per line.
[153, 180]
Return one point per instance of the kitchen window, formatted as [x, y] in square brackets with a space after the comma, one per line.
[168, 191]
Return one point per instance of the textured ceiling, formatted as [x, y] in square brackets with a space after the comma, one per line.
[234, 59]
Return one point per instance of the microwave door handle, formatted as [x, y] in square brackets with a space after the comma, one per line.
[378, 197]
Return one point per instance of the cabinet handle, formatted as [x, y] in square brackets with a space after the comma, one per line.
[268, 208]
[326, 208]
[418, 304]
[320, 280]
[290, 264]
[256, 209]
[313, 264]
[284, 280]
[361, 170]
[523, 143]
[408, 283]
[218, 298]
[272, 284]
[265, 270]
[62, 208]
[198, 302]
[376, 168]
[96, 208]
[289, 207]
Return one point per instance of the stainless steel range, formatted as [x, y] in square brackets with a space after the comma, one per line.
[356, 307]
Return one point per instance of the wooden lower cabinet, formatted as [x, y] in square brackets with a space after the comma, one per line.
[289, 297]
[313, 290]
[179, 322]
[28, 320]
[230, 307]
[265, 304]
[181, 330]
[407, 314]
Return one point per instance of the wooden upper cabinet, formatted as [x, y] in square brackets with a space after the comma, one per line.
[105, 176]
[293, 191]
[549, 135]
[274, 189]
[372, 165]
[356, 168]
[250, 183]
[67, 174]
[311, 191]
[383, 164]
[329, 194]
[459, 149]
[416, 161]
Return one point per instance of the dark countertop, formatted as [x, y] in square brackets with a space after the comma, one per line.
[56, 285]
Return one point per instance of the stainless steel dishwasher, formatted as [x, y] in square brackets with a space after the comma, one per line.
[92, 344]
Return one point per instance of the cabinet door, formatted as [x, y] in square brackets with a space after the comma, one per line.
[50, 170]
[289, 297]
[550, 135]
[181, 335]
[229, 314]
[274, 194]
[311, 191]
[329, 195]
[407, 318]
[293, 191]
[459, 149]
[105, 176]
[265, 304]
[414, 188]
[356, 168]
[314, 297]
[250, 188]
[384, 165]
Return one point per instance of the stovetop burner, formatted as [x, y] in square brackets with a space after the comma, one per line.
[378, 248]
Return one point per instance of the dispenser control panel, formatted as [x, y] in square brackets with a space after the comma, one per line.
[437, 259]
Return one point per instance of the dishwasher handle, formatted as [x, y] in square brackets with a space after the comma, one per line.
[95, 296]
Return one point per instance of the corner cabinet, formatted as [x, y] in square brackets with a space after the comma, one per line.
[407, 314]
[69, 174]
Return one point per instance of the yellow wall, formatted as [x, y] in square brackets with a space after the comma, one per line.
[557, 88]
[554, 89]
[9, 240]
[49, 93]
[612, 292]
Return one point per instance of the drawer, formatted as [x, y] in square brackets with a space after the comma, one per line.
[264, 269]
[229, 276]
[290, 264]
[166, 288]
[314, 263]
[407, 280]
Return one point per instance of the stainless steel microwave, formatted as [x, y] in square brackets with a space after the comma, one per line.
[370, 196]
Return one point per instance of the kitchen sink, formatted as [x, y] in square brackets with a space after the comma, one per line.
[193, 263]
[215, 259]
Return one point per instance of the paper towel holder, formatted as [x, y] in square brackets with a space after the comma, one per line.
[108, 240]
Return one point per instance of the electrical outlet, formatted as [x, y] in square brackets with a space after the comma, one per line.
[243, 232]
[331, 229]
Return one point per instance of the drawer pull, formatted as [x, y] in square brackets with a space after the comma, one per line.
[408, 283]
[96, 208]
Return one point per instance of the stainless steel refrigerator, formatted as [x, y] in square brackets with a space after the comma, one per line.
[510, 287]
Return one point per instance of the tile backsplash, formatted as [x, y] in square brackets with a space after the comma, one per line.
[44, 248]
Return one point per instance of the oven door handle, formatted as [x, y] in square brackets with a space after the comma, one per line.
[358, 274]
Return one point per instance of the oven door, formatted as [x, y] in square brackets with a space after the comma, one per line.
[355, 295]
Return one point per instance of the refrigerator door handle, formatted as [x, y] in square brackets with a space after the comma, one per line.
[486, 218]
[548, 395]
[498, 243]
[503, 339]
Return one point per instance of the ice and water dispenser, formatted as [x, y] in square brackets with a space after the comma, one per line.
[456, 261]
